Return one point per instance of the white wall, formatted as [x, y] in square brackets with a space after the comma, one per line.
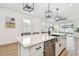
[9, 35]
[35, 23]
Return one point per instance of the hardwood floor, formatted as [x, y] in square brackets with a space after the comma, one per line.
[73, 48]
[9, 49]
[64, 53]
[12, 50]
[78, 47]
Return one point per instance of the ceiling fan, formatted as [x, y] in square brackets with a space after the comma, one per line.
[57, 17]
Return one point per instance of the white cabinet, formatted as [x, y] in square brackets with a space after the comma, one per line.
[31, 25]
[45, 24]
[24, 51]
[36, 25]
[59, 46]
[38, 54]
[26, 25]
[36, 50]
[63, 43]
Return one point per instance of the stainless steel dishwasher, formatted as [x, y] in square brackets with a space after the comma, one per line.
[49, 47]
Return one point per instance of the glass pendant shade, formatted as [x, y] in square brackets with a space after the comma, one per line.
[57, 17]
[48, 14]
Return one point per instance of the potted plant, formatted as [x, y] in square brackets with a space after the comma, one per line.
[77, 32]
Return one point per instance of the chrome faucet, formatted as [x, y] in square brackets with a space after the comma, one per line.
[49, 29]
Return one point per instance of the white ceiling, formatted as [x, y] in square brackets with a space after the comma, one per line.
[39, 9]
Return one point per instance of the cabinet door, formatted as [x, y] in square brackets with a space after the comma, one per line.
[24, 51]
[59, 46]
[26, 25]
[63, 43]
[36, 49]
[36, 25]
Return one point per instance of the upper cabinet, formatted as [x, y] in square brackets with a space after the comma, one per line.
[36, 25]
[31, 25]
[27, 25]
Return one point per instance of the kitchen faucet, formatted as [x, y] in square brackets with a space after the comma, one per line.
[49, 29]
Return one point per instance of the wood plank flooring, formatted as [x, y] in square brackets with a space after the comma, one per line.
[12, 50]
[77, 47]
[9, 49]
[64, 53]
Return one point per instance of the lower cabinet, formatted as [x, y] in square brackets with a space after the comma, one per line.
[59, 46]
[38, 54]
[36, 50]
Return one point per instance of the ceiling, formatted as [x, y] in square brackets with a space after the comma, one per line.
[65, 9]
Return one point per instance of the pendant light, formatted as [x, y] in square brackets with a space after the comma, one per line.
[28, 7]
[48, 13]
[57, 17]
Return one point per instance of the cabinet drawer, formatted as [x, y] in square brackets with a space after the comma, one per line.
[36, 49]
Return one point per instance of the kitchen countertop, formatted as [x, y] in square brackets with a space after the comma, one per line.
[30, 40]
[58, 33]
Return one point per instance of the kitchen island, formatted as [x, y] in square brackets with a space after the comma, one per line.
[33, 45]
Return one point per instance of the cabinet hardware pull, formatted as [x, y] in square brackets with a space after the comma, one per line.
[38, 48]
[59, 44]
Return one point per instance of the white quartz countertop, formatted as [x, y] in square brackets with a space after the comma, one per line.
[30, 40]
[27, 42]
[58, 33]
